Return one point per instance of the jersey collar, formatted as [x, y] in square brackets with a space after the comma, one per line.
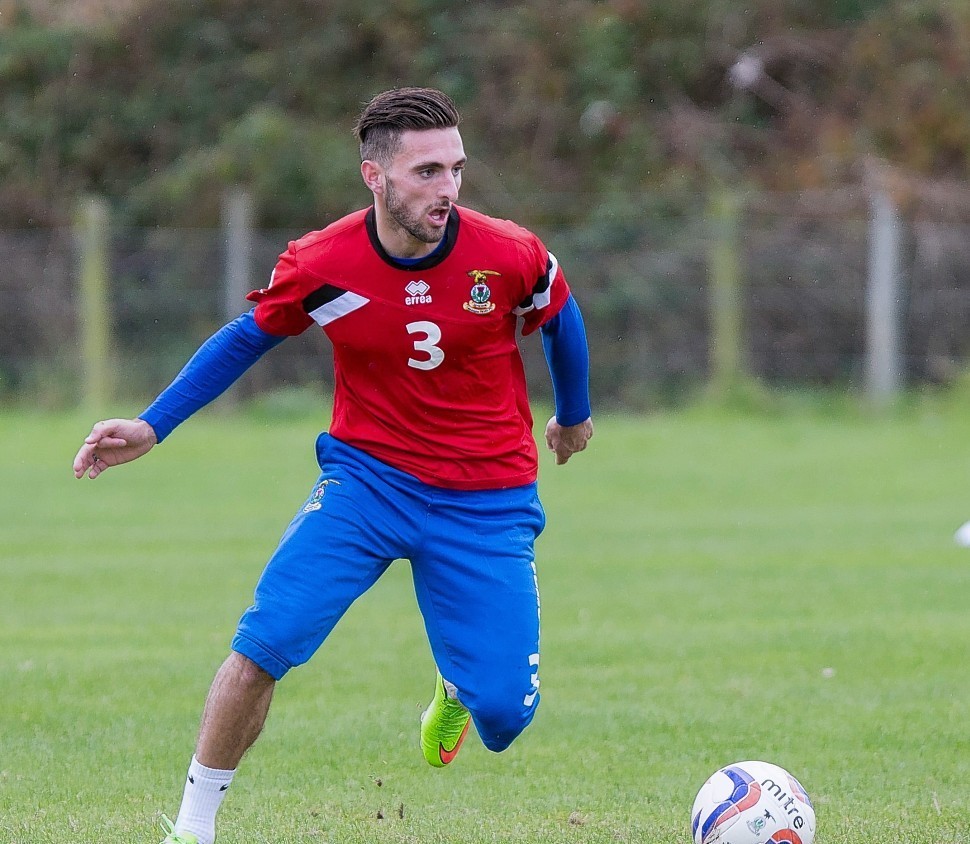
[432, 260]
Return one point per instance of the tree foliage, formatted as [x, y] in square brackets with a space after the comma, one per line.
[605, 100]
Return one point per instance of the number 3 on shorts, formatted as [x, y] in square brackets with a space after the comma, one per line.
[426, 344]
[531, 697]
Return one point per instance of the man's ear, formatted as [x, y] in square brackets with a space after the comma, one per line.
[373, 175]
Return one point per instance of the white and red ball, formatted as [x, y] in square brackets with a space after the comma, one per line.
[752, 803]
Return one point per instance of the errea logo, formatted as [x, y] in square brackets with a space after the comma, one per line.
[417, 293]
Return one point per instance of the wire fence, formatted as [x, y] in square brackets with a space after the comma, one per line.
[642, 277]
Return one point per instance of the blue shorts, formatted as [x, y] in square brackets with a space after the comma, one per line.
[473, 565]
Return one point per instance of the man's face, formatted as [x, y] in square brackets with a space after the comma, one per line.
[420, 184]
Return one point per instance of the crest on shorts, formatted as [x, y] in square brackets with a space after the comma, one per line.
[315, 501]
[481, 294]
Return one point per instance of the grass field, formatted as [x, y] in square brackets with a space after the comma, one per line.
[714, 588]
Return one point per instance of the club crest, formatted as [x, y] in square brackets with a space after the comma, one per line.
[480, 294]
[315, 501]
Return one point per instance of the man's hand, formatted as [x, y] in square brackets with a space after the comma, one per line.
[112, 443]
[565, 442]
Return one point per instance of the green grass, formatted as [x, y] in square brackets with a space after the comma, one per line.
[702, 576]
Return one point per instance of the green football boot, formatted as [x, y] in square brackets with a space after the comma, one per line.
[444, 725]
[173, 837]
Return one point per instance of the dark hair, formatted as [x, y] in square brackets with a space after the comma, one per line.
[393, 112]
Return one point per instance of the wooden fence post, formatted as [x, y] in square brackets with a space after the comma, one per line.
[724, 275]
[883, 293]
[238, 236]
[93, 309]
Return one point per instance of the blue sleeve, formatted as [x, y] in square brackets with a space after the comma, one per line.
[218, 363]
[564, 344]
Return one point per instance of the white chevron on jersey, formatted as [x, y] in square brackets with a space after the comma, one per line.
[542, 292]
[341, 306]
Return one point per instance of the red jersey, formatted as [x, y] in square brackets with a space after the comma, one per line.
[427, 372]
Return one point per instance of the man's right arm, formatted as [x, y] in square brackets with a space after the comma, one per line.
[218, 363]
[215, 367]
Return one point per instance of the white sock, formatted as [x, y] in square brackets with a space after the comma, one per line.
[205, 789]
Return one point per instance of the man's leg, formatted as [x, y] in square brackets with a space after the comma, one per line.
[336, 547]
[476, 585]
[234, 714]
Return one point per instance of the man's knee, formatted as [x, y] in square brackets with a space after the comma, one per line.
[499, 722]
[246, 672]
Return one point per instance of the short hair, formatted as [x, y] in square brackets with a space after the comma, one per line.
[391, 113]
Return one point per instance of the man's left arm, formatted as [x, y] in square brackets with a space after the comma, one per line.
[567, 354]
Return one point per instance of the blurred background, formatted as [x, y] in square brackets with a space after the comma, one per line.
[747, 198]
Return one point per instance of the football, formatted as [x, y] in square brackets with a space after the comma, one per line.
[752, 803]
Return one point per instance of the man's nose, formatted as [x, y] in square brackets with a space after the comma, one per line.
[450, 183]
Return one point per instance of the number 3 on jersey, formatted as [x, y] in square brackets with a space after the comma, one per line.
[429, 337]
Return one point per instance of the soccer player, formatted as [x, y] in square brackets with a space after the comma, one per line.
[429, 456]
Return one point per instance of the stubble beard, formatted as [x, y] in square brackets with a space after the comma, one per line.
[413, 224]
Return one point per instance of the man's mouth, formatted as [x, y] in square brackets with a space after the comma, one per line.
[439, 216]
